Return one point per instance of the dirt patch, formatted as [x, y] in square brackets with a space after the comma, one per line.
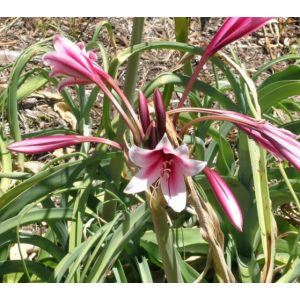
[38, 112]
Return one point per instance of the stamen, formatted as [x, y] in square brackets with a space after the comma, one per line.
[166, 168]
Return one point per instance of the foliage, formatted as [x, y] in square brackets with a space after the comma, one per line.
[91, 231]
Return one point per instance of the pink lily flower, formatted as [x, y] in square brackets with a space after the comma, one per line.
[78, 66]
[231, 30]
[167, 164]
[225, 198]
[73, 61]
[49, 143]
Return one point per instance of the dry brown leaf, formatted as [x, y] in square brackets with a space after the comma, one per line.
[47, 95]
[62, 151]
[33, 166]
[64, 111]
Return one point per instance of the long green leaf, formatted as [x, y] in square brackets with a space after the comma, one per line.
[133, 224]
[37, 215]
[16, 266]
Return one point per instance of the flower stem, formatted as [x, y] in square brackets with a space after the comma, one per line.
[133, 61]
[164, 238]
[287, 181]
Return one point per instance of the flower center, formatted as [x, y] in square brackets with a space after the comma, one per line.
[166, 168]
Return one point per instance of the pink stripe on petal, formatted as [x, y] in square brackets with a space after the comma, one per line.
[65, 47]
[143, 157]
[190, 167]
[143, 179]
[260, 139]
[174, 190]
[65, 66]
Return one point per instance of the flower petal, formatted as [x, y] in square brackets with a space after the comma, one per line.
[64, 65]
[165, 144]
[65, 47]
[190, 167]
[143, 179]
[174, 190]
[143, 157]
[72, 81]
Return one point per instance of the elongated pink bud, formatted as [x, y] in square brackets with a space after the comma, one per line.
[160, 112]
[225, 198]
[143, 111]
[49, 143]
[151, 135]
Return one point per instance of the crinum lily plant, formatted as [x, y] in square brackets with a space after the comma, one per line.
[162, 164]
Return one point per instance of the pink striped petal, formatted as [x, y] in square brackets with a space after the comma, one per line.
[233, 29]
[174, 190]
[190, 167]
[143, 157]
[65, 47]
[65, 66]
[165, 144]
[261, 140]
[143, 179]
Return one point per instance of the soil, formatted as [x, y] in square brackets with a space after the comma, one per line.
[39, 112]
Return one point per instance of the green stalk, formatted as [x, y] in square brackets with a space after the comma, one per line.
[296, 200]
[264, 208]
[6, 162]
[84, 121]
[133, 61]
[182, 25]
[164, 239]
[116, 166]
[287, 181]
[260, 179]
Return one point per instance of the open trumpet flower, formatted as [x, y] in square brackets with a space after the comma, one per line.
[49, 143]
[167, 164]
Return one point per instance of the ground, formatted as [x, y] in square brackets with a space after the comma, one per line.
[44, 109]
